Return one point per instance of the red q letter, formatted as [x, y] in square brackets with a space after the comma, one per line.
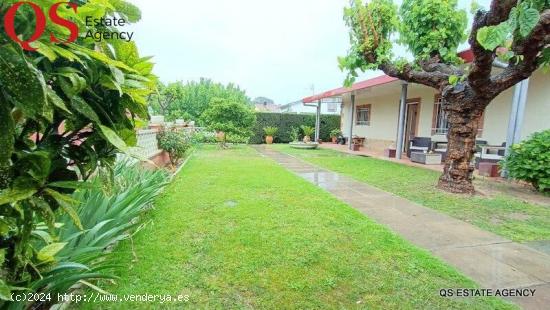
[9, 24]
[56, 19]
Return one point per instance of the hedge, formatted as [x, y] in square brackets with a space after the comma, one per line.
[285, 122]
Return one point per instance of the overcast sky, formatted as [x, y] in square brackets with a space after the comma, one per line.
[277, 49]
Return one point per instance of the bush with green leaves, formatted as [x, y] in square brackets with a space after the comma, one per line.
[237, 139]
[294, 134]
[233, 118]
[286, 121]
[174, 143]
[530, 161]
[271, 131]
[65, 110]
[203, 137]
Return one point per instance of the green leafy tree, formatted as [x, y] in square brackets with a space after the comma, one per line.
[232, 118]
[65, 110]
[516, 32]
[164, 96]
[190, 100]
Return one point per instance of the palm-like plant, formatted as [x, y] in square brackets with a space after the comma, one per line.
[335, 133]
[108, 214]
[308, 132]
[271, 131]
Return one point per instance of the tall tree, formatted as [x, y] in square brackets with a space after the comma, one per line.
[516, 32]
[164, 97]
[229, 117]
[190, 100]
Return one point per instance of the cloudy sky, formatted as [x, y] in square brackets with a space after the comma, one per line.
[277, 49]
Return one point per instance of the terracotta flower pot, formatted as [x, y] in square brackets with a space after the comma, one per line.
[269, 139]
[220, 136]
[334, 140]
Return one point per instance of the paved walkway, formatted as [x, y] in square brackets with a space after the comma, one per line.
[490, 260]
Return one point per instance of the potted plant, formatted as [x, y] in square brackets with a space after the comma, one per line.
[308, 132]
[334, 134]
[270, 132]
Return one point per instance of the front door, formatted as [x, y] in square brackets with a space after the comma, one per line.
[411, 125]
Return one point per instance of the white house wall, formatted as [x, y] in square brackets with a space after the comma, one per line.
[382, 131]
[497, 116]
[537, 111]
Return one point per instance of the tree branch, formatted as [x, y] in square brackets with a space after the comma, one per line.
[530, 49]
[436, 79]
[480, 71]
[434, 64]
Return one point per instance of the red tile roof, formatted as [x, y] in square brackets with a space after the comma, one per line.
[467, 55]
[383, 79]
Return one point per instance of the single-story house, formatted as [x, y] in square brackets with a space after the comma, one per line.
[371, 110]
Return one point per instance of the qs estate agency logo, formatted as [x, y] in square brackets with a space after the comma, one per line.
[40, 24]
[104, 24]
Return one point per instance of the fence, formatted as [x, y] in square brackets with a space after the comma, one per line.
[147, 143]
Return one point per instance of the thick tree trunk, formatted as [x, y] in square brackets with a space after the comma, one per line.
[464, 124]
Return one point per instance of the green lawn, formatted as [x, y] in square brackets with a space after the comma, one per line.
[503, 215]
[235, 230]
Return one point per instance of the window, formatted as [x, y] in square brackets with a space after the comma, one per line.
[363, 115]
[332, 107]
[440, 120]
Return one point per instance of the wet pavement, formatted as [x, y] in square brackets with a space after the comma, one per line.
[490, 260]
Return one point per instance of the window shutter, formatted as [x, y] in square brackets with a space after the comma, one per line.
[369, 106]
[434, 115]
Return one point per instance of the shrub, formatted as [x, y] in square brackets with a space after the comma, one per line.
[203, 137]
[335, 133]
[174, 143]
[231, 117]
[294, 134]
[109, 210]
[530, 161]
[286, 121]
[237, 139]
[271, 131]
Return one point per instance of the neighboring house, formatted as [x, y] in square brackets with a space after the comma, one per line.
[267, 107]
[377, 109]
[259, 100]
[328, 106]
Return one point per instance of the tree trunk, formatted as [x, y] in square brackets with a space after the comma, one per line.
[464, 124]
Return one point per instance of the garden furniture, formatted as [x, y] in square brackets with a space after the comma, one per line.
[426, 158]
[419, 144]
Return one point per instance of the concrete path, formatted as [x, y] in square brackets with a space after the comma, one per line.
[490, 260]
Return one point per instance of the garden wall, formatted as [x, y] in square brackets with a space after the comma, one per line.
[285, 122]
